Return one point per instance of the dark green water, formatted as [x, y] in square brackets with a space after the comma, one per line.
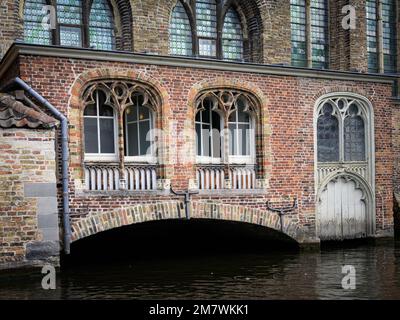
[223, 276]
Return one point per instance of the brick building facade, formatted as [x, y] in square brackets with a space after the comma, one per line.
[286, 92]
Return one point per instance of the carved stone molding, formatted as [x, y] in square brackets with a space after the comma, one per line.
[227, 101]
[121, 94]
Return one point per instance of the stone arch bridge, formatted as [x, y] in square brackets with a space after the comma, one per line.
[175, 210]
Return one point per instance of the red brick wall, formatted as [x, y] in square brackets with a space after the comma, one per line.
[289, 103]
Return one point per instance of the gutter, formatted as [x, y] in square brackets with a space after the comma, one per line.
[65, 154]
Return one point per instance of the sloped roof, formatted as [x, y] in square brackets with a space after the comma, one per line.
[14, 113]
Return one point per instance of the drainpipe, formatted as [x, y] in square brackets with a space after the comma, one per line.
[65, 156]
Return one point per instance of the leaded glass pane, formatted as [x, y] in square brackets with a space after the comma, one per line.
[298, 29]
[207, 47]
[319, 33]
[70, 36]
[372, 35]
[180, 32]
[69, 16]
[389, 35]
[34, 12]
[232, 37]
[69, 12]
[206, 17]
[328, 136]
[354, 138]
[101, 26]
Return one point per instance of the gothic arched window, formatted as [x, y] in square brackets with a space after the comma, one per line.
[180, 32]
[206, 30]
[101, 26]
[341, 131]
[79, 23]
[225, 127]
[232, 37]
[99, 126]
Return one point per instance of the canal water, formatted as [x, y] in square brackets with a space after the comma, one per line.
[275, 275]
[245, 272]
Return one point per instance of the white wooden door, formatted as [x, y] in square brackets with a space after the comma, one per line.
[342, 211]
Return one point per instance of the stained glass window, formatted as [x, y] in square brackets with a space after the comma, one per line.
[232, 37]
[299, 39]
[319, 33]
[389, 35]
[99, 126]
[372, 46]
[208, 128]
[180, 32]
[206, 16]
[34, 12]
[69, 16]
[101, 26]
[354, 136]
[328, 135]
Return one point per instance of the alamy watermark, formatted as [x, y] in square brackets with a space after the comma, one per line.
[49, 280]
[349, 280]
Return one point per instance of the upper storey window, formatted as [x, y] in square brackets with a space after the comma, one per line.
[79, 23]
[33, 29]
[299, 40]
[101, 26]
[69, 18]
[309, 23]
[232, 37]
[180, 32]
[206, 15]
[206, 30]
[382, 52]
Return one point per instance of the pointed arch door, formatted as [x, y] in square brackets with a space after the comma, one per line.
[344, 168]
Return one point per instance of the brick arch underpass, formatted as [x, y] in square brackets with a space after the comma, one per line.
[174, 210]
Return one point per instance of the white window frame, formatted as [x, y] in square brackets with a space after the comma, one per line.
[151, 158]
[241, 159]
[205, 159]
[102, 157]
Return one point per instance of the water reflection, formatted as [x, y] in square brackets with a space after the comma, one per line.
[275, 275]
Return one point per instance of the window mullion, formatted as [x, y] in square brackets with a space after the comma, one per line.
[341, 138]
[211, 134]
[201, 134]
[237, 133]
